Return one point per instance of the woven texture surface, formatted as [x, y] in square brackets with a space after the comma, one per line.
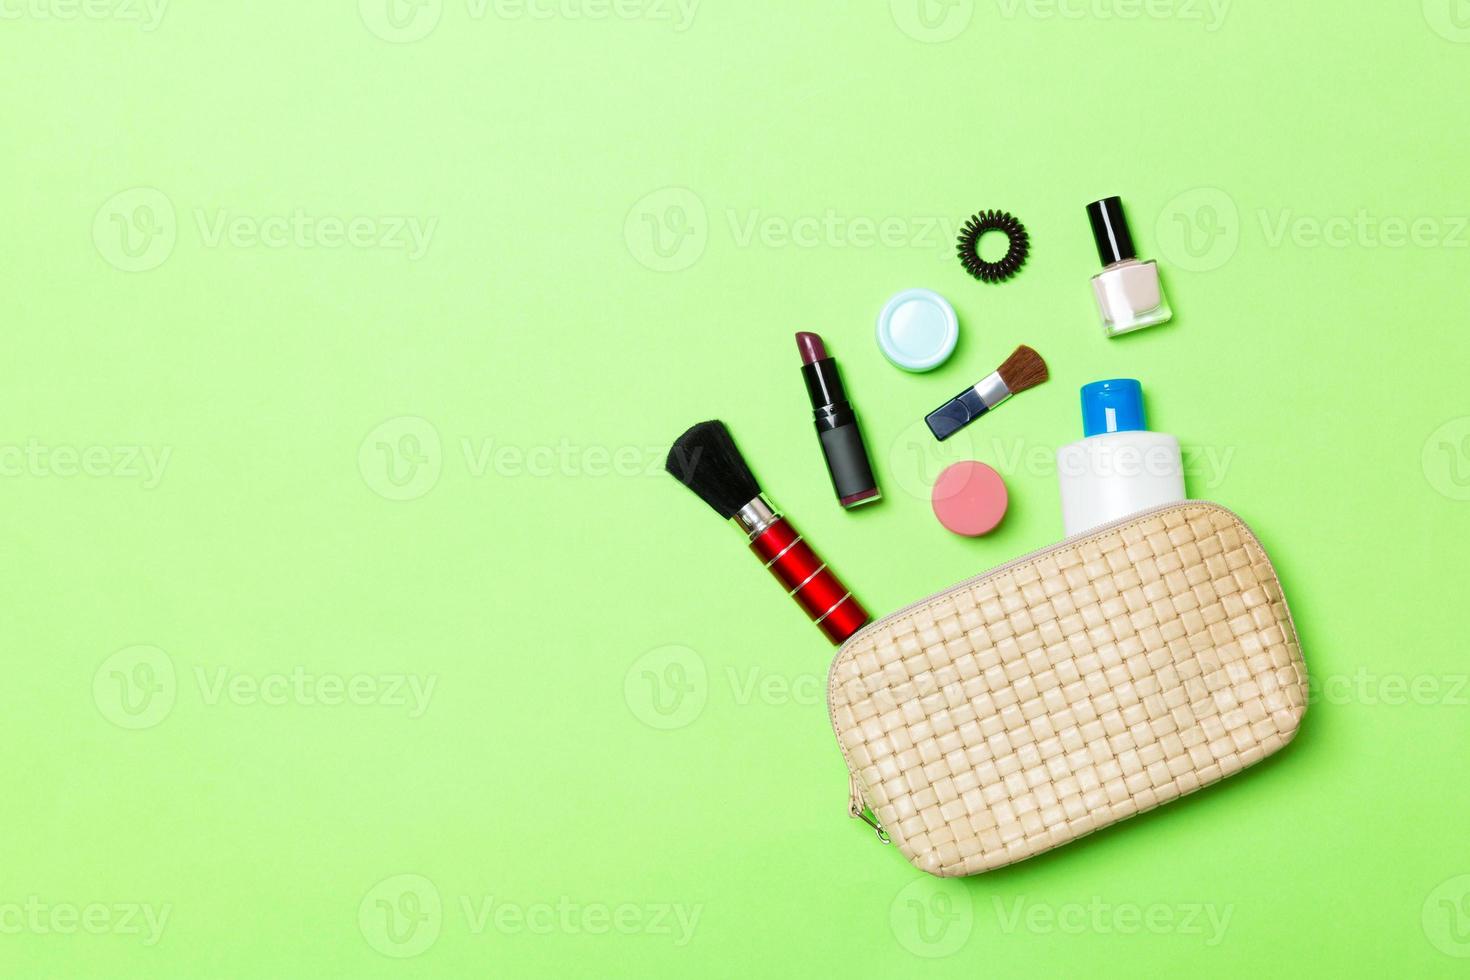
[1082, 686]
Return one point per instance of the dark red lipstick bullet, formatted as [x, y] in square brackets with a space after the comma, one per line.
[837, 425]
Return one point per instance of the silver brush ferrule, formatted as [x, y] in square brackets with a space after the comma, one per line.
[756, 516]
[992, 390]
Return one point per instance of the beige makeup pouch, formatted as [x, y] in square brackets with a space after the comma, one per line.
[1067, 690]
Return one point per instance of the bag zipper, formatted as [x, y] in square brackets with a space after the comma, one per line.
[857, 805]
[860, 810]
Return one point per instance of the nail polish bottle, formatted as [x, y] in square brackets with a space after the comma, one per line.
[1129, 296]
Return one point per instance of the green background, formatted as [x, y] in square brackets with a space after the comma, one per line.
[378, 464]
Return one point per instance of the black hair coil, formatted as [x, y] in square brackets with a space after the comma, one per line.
[1018, 246]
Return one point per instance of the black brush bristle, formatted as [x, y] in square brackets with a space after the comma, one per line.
[706, 461]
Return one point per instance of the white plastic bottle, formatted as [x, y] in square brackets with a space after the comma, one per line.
[1121, 468]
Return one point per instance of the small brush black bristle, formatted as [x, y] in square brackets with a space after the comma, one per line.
[706, 461]
[1023, 369]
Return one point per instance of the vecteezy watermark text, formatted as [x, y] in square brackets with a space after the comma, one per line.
[1372, 689]
[298, 686]
[403, 915]
[137, 229]
[147, 14]
[405, 233]
[667, 687]
[667, 230]
[138, 686]
[1096, 916]
[41, 918]
[1363, 229]
[406, 21]
[915, 460]
[1200, 229]
[1210, 13]
[487, 457]
[403, 458]
[833, 229]
[34, 458]
[674, 920]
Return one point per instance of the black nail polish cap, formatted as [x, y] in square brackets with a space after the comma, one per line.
[1110, 230]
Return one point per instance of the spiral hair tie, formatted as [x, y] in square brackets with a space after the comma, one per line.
[1018, 246]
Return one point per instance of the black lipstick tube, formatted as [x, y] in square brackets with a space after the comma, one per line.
[842, 440]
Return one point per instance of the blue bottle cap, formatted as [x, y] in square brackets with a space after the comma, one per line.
[1112, 406]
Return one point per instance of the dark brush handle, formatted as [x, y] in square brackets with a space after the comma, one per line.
[955, 414]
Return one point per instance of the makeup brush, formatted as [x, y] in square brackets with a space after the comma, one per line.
[706, 461]
[1023, 369]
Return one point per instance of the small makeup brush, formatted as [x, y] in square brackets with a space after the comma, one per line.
[1023, 369]
[706, 461]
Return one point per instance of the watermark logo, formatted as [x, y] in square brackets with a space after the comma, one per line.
[135, 230]
[1446, 459]
[932, 21]
[670, 688]
[135, 687]
[916, 458]
[667, 230]
[932, 917]
[401, 21]
[1446, 917]
[401, 916]
[667, 688]
[402, 458]
[1450, 19]
[1199, 230]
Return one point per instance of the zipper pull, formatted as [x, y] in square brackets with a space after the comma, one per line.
[858, 809]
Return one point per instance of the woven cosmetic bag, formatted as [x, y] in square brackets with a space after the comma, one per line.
[1067, 690]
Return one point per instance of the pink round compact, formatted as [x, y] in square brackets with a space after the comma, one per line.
[970, 498]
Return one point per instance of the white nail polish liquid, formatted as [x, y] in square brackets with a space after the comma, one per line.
[1120, 468]
[1129, 296]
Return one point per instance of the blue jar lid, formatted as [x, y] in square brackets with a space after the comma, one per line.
[1112, 406]
[917, 330]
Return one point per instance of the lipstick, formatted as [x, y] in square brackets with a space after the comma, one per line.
[837, 425]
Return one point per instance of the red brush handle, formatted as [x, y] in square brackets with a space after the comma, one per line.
[809, 581]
